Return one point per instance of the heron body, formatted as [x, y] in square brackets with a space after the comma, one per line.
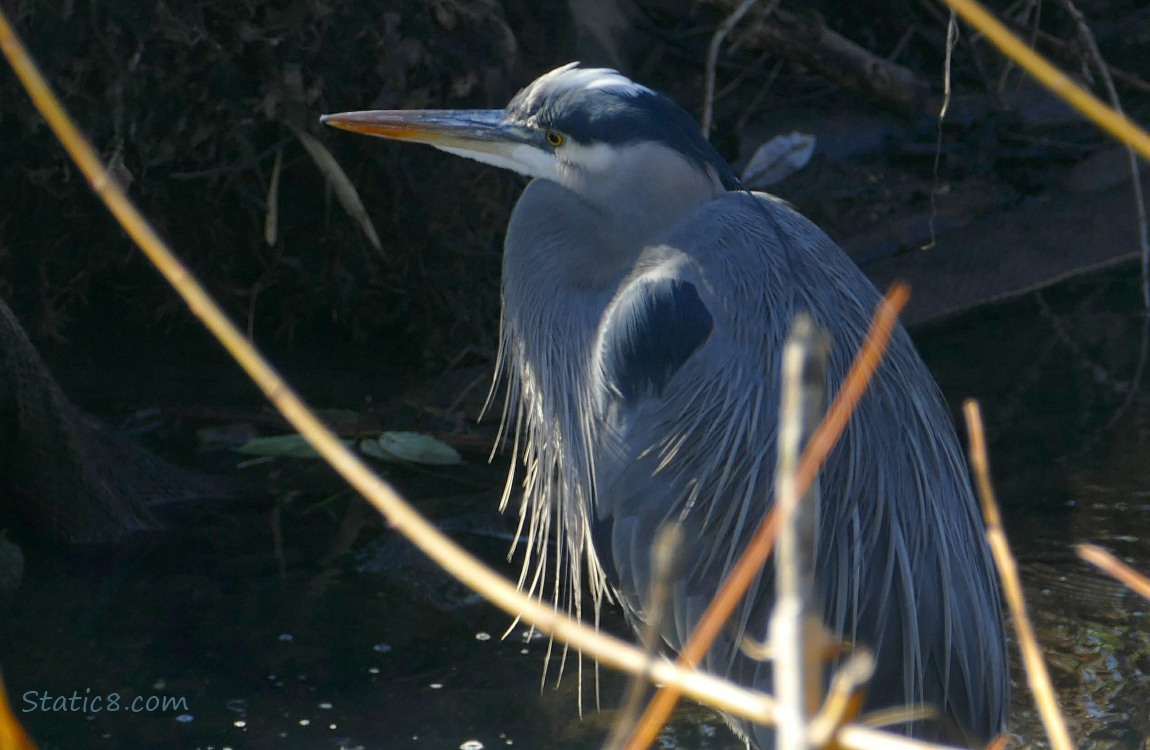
[646, 299]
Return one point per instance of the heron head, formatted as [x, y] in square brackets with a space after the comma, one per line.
[575, 126]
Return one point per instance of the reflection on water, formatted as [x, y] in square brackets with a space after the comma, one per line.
[1095, 630]
[261, 649]
[1055, 373]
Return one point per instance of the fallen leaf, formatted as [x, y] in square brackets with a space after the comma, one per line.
[778, 159]
[411, 447]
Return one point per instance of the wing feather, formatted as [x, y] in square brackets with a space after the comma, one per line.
[651, 330]
[688, 354]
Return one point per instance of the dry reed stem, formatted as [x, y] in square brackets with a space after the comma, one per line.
[859, 737]
[797, 636]
[666, 559]
[1000, 742]
[453, 559]
[759, 548]
[842, 699]
[1115, 568]
[1037, 676]
[12, 734]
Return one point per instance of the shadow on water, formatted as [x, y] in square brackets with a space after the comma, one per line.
[265, 635]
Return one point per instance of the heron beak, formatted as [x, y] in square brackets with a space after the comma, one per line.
[456, 130]
[480, 134]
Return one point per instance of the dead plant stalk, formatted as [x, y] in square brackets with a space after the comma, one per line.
[1037, 676]
[1115, 568]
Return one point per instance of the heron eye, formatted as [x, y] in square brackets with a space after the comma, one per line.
[555, 139]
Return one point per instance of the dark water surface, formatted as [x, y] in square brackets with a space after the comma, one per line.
[264, 638]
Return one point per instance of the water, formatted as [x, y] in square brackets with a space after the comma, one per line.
[256, 645]
[1069, 432]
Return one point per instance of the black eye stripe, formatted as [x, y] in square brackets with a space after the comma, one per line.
[618, 115]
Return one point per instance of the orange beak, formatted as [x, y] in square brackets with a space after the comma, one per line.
[464, 129]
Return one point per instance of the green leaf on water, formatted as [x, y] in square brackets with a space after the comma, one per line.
[411, 447]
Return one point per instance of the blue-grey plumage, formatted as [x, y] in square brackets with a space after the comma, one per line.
[645, 304]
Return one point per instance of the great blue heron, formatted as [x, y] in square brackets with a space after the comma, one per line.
[646, 299]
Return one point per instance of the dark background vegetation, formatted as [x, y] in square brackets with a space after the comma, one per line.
[192, 103]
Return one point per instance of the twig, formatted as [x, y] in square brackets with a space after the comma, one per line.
[858, 737]
[951, 40]
[759, 548]
[713, 57]
[1117, 569]
[796, 630]
[1029, 12]
[931, 8]
[842, 700]
[1091, 44]
[1119, 74]
[757, 99]
[895, 715]
[742, 75]
[665, 559]
[1037, 675]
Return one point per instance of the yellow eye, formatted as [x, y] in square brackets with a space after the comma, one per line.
[555, 139]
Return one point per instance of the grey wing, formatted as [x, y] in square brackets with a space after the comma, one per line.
[679, 403]
[688, 362]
